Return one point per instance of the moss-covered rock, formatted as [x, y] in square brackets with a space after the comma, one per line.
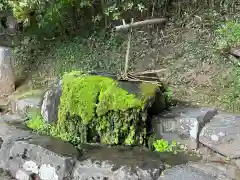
[96, 108]
[101, 109]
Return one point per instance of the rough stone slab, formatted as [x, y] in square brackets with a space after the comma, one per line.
[184, 172]
[11, 119]
[49, 157]
[219, 170]
[182, 124]
[8, 131]
[52, 159]
[237, 162]
[22, 106]
[222, 134]
[24, 153]
[7, 79]
[23, 150]
[118, 164]
[201, 171]
[50, 103]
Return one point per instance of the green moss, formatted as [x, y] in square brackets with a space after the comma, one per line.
[37, 123]
[148, 90]
[96, 107]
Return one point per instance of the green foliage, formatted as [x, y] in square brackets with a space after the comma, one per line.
[37, 123]
[163, 146]
[59, 16]
[4, 4]
[95, 106]
[68, 16]
[228, 34]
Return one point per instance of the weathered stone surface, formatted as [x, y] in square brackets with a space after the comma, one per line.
[50, 103]
[12, 24]
[201, 171]
[8, 131]
[11, 119]
[222, 134]
[221, 171]
[23, 106]
[182, 124]
[184, 172]
[24, 153]
[7, 79]
[50, 158]
[118, 164]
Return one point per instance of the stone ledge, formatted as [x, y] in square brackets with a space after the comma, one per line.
[222, 134]
[200, 171]
[25, 153]
[183, 124]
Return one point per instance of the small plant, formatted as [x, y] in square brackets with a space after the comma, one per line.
[163, 145]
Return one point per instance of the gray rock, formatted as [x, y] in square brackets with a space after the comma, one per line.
[220, 170]
[23, 150]
[11, 119]
[184, 172]
[201, 171]
[12, 24]
[50, 158]
[117, 164]
[222, 134]
[8, 131]
[45, 156]
[7, 79]
[23, 153]
[50, 103]
[237, 162]
[182, 124]
[23, 106]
